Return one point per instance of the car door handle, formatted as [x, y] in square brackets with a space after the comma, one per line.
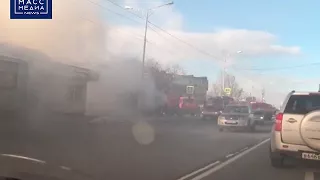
[291, 120]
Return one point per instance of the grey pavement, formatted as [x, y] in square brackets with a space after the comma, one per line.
[256, 165]
[140, 148]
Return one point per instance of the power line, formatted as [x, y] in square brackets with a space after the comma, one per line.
[184, 42]
[158, 27]
[167, 50]
[140, 37]
[189, 44]
[119, 14]
[157, 33]
[124, 8]
[278, 68]
[171, 35]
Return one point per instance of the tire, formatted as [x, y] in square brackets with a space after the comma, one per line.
[277, 161]
[253, 127]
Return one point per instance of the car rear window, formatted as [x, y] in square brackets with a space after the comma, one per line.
[258, 113]
[303, 104]
[236, 109]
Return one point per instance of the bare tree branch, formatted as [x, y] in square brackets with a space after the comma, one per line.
[230, 82]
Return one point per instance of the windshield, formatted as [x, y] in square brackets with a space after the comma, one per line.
[236, 109]
[258, 113]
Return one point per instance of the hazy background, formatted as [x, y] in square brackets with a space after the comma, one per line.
[77, 35]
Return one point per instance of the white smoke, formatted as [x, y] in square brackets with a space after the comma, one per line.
[76, 35]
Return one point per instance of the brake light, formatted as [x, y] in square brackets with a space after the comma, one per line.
[278, 125]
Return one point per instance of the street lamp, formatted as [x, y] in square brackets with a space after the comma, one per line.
[224, 68]
[148, 14]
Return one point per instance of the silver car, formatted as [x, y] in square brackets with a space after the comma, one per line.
[296, 131]
[236, 117]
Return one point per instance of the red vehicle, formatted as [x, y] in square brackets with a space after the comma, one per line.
[188, 105]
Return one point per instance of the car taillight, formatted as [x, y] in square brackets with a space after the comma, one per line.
[278, 125]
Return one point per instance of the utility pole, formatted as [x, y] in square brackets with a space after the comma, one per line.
[251, 93]
[148, 13]
[263, 94]
[224, 70]
[223, 74]
[144, 45]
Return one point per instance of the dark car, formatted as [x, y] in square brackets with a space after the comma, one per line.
[214, 106]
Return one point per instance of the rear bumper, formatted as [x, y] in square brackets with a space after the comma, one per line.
[210, 114]
[188, 110]
[233, 126]
[292, 150]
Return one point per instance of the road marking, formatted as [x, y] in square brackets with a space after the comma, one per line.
[99, 120]
[244, 149]
[229, 155]
[229, 161]
[65, 168]
[309, 176]
[23, 157]
[199, 170]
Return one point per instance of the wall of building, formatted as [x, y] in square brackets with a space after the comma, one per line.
[200, 85]
[42, 86]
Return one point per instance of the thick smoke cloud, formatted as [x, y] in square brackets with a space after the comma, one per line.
[77, 35]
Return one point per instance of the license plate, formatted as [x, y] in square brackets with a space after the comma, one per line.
[231, 122]
[311, 156]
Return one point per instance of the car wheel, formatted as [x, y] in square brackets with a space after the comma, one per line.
[277, 161]
[253, 127]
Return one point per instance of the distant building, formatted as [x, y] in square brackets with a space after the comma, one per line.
[34, 84]
[200, 86]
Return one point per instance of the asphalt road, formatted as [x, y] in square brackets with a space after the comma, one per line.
[146, 148]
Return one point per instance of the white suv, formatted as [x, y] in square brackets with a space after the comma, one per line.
[296, 131]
